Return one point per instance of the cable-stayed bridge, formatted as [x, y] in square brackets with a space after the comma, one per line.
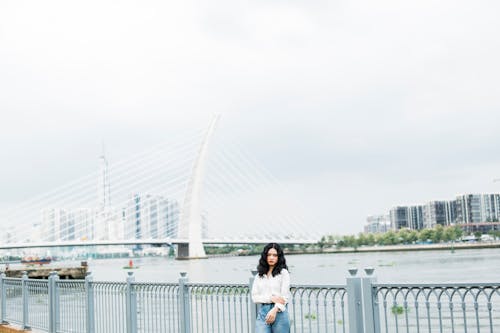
[189, 191]
[151, 241]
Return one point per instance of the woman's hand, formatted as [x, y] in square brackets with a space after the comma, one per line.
[271, 316]
[278, 299]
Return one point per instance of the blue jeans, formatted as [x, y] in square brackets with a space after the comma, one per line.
[280, 325]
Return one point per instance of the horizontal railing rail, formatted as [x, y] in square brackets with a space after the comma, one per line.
[360, 306]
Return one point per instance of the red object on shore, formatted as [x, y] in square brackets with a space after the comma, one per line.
[36, 260]
[130, 263]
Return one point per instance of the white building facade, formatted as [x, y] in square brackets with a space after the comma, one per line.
[150, 217]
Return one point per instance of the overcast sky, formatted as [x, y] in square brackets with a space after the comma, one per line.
[356, 106]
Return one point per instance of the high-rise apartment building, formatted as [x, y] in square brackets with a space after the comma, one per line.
[63, 224]
[150, 217]
[108, 225]
[416, 217]
[465, 209]
[490, 207]
[399, 217]
[451, 212]
[377, 224]
[435, 213]
[477, 208]
[468, 208]
[85, 223]
[57, 225]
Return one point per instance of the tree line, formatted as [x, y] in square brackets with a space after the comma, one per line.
[437, 234]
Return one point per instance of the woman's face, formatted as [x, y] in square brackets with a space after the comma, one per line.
[272, 257]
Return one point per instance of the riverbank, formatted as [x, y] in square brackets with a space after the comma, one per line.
[402, 248]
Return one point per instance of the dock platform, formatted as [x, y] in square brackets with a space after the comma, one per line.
[43, 272]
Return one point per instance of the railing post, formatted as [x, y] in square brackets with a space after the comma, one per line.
[89, 290]
[57, 303]
[184, 304]
[354, 305]
[131, 304]
[53, 302]
[253, 307]
[370, 303]
[4, 300]
[25, 296]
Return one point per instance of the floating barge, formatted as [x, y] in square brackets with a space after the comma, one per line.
[41, 272]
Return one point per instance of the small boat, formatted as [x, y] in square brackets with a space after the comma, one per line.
[36, 260]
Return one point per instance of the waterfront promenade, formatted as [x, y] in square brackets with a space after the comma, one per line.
[360, 305]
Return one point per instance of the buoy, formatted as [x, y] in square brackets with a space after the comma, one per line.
[130, 265]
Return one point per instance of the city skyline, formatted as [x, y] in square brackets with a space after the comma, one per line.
[471, 211]
[343, 102]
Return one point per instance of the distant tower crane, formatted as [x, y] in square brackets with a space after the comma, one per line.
[104, 187]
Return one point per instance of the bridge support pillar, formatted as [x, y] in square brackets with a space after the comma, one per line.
[191, 217]
[186, 251]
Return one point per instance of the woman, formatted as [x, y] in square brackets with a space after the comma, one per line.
[271, 290]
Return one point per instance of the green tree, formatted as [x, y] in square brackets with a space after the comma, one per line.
[379, 239]
[361, 239]
[458, 232]
[350, 241]
[448, 234]
[322, 242]
[370, 239]
[403, 236]
[437, 237]
[413, 236]
[425, 234]
[494, 233]
[389, 238]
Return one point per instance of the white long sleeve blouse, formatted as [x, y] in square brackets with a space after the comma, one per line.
[266, 286]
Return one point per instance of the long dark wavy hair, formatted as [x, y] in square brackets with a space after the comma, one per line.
[263, 266]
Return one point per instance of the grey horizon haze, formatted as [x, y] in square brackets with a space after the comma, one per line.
[355, 106]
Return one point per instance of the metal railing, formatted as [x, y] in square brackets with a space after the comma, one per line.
[451, 308]
[360, 306]
[318, 309]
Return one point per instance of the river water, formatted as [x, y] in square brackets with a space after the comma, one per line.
[470, 266]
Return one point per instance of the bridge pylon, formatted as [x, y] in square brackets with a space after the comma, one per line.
[190, 225]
